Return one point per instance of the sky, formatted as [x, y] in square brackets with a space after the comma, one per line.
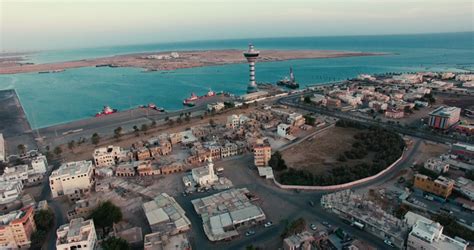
[59, 24]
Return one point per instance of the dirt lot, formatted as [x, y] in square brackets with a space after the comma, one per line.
[319, 154]
[430, 149]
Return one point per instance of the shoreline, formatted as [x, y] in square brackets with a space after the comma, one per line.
[162, 61]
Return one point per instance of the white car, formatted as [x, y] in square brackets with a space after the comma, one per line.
[388, 243]
[268, 224]
[313, 227]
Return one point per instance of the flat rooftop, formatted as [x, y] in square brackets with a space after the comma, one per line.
[72, 168]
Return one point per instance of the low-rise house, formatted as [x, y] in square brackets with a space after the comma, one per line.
[73, 179]
[126, 169]
[171, 168]
[107, 156]
[217, 106]
[142, 154]
[133, 235]
[301, 241]
[78, 234]
[146, 168]
[159, 146]
[296, 119]
[10, 191]
[82, 208]
[16, 228]
[394, 113]
[283, 130]
[158, 240]
[175, 138]
[465, 187]
[165, 215]
[437, 165]
[235, 121]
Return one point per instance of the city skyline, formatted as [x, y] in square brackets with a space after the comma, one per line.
[83, 24]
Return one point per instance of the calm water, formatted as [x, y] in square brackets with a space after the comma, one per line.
[78, 93]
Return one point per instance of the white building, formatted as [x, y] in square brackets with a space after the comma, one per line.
[16, 173]
[10, 191]
[39, 165]
[283, 130]
[78, 234]
[217, 106]
[107, 156]
[235, 121]
[2, 148]
[437, 165]
[205, 176]
[72, 179]
[428, 234]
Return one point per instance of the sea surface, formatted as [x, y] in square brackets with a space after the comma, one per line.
[74, 94]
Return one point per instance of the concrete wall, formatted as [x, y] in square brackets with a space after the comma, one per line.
[341, 186]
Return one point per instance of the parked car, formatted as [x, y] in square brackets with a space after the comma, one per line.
[268, 224]
[313, 227]
[249, 233]
[325, 223]
[388, 243]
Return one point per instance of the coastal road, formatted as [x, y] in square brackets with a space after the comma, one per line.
[280, 205]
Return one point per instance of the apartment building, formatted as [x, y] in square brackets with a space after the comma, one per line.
[262, 153]
[107, 156]
[78, 234]
[441, 187]
[73, 179]
[16, 228]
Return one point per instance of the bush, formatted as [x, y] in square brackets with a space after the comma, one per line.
[114, 243]
[277, 162]
[295, 227]
[106, 214]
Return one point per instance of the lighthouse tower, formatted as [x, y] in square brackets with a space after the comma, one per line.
[251, 55]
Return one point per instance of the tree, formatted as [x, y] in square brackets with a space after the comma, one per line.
[58, 151]
[144, 127]
[113, 243]
[44, 220]
[106, 214]
[37, 239]
[307, 99]
[212, 123]
[295, 227]
[117, 132]
[21, 148]
[95, 138]
[153, 123]
[309, 120]
[187, 118]
[277, 162]
[71, 145]
[170, 122]
[179, 120]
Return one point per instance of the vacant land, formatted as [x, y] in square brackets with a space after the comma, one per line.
[428, 150]
[320, 153]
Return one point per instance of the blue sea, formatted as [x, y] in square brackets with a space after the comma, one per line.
[74, 94]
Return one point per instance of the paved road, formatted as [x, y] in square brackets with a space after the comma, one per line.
[284, 205]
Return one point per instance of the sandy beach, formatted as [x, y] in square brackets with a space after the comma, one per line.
[187, 59]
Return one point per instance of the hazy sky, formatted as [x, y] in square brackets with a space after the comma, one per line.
[53, 24]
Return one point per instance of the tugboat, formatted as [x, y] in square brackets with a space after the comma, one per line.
[191, 100]
[106, 111]
[289, 83]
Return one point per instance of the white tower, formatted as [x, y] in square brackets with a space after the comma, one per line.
[252, 56]
[210, 167]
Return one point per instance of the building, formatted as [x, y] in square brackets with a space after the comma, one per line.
[464, 150]
[465, 186]
[301, 241]
[235, 121]
[296, 119]
[262, 153]
[126, 169]
[159, 146]
[165, 215]
[283, 130]
[441, 187]
[142, 154]
[16, 228]
[2, 148]
[73, 179]
[229, 149]
[437, 165]
[216, 106]
[251, 55]
[78, 234]
[146, 168]
[394, 113]
[157, 240]
[83, 208]
[107, 156]
[171, 168]
[205, 176]
[427, 234]
[10, 191]
[225, 212]
[444, 117]
[376, 105]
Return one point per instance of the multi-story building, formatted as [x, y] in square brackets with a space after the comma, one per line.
[2, 148]
[16, 228]
[229, 149]
[428, 235]
[437, 165]
[159, 146]
[107, 156]
[146, 168]
[10, 191]
[142, 154]
[441, 187]
[283, 130]
[235, 121]
[73, 179]
[463, 150]
[296, 119]
[262, 153]
[126, 169]
[444, 117]
[78, 234]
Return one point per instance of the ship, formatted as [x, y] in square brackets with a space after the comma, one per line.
[153, 106]
[289, 82]
[190, 101]
[106, 111]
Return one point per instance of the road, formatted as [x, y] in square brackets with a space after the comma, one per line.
[279, 205]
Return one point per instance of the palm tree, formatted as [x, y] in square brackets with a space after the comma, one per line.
[21, 148]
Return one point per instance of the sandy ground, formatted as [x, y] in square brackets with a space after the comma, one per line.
[320, 153]
[187, 59]
[429, 149]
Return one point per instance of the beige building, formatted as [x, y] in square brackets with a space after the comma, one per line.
[16, 228]
[301, 241]
[157, 240]
[78, 234]
[107, 156]
[73, 179]
[165, 215]
[262, 153]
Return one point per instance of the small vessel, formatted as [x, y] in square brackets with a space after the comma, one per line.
[289, 82]
[107, 110]
[153, 106]
[190, 101]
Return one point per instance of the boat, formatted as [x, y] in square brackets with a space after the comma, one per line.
[153, 106]
[289, 82]
[190, 101]
[106, 111]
